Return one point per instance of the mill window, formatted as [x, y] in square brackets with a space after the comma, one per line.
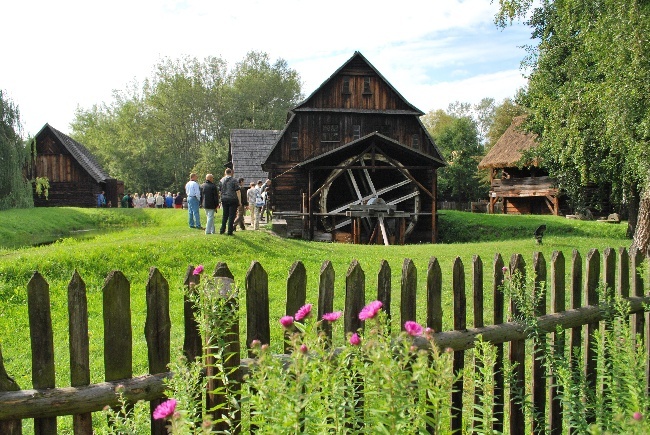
[294, 140]
[366, 86]
[330, 133]
[346, 85]
[356, 132]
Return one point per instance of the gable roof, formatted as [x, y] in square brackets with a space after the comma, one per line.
[358, 56]
[407, 156]
[80, 153]
[507, 151]
[249, 149]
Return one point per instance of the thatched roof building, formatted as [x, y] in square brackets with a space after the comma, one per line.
[508, 150]
[518, 187]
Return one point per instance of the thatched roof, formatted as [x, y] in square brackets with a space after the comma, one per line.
[507, 152]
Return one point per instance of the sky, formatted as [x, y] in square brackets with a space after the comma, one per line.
[67, 54]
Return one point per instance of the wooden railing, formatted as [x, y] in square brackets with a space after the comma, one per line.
[617, 270]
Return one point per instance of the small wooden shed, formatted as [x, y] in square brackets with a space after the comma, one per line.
[74, 175]
[356, 142]
[248, 149]
[521, 187]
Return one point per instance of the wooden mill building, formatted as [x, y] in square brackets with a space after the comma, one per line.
[248, 149]
[74, 175]
[356, 142]
[520, 187]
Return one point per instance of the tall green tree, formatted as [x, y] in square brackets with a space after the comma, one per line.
[152, 135]
[15, 190]
[457, 138]
[504, 113]
[589, 95]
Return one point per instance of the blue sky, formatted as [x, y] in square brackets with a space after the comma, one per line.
[73, 53]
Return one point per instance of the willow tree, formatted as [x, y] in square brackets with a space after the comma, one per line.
[15, 190]
[589, 96]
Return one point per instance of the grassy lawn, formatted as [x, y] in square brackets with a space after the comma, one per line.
[134, 240]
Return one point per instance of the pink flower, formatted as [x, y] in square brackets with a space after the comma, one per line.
[637, 416]
[198, 270]
[331, 317]
[413, 328]
[256, 343]
[286, 321]
[504, 269]
[303, 312]
[165, 409]
[355, 340]
[303, 348]
[370, 310]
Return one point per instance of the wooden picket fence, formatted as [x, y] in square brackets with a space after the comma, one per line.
[618, 270]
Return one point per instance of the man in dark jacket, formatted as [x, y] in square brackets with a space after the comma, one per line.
[229, 189]
[243, 203]
[209, 201]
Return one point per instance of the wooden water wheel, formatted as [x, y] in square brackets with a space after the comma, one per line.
[361, 179]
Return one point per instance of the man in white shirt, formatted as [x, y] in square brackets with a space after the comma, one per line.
[193, 192]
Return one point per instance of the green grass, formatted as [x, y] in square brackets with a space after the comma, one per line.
[134, 240]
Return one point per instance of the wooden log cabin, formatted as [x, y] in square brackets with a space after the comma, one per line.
[248, 149]
[520, 187]
[355, 139]
[74, 175]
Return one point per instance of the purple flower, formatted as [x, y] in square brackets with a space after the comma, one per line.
[331, 317]
[303, 312]
[256, 343]
[303, 348]
[286, 321]
[504, 269]
[165, 409]
[198, 270]
[355, 340]
[413, 328]
[370, 310]
[637, 416]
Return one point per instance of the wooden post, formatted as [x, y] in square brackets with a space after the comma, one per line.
[218, 401]
[7, 383]
[477, 288]
[517, 354]
[434, 207]
[498, 301]
[326, 296]
[409, 286]
[384, 286]
[42, 342]
[296, 295]
[355, 297]
[157, 332]
[311, 205]
[79, 348]
[592, 269]
[558, 305]
[192, 347]
[539, 378]
[460, 324]
[434, 295]
[257, 306]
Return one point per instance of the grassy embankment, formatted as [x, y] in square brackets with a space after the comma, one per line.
[135, 240]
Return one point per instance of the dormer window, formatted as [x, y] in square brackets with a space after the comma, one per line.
[346, 86]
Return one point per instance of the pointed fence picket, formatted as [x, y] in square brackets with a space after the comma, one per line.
[619, 271]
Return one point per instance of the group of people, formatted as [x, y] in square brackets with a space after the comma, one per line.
[151, 200]
[234, 198]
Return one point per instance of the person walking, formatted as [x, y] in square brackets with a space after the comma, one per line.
[193, 192]
[250, 199]
[259, 205]
[101, 199]
[209, 201]
[229, 189]
[241, 209]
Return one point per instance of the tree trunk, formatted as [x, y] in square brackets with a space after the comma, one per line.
[632, 210]
[642, 233]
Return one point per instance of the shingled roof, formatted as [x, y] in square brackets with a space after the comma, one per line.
[80, 153]
[508, 150]
[249, 149]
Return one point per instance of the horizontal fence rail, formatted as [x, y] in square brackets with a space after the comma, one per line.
[617, 271]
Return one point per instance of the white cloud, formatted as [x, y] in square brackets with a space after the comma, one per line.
[73, 53]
